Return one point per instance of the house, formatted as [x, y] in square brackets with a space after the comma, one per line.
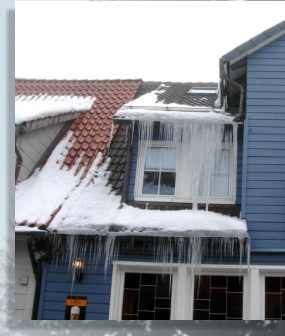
[166, 200]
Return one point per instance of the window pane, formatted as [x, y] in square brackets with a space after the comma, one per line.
[167, 183]
[220, 180]
[160, 158]
[150, 183]
[152, 299]
[168, 159]
[153, 158]
[218, 298]
[275, 298]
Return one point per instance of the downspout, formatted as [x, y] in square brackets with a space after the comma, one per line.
[240, 115]
[36, 265]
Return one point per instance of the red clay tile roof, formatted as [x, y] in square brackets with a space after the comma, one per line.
[92, 130]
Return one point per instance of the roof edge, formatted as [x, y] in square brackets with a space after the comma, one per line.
[253, 46]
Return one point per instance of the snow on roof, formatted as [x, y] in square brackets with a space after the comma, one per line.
[32, 107]
[159, 104]
[195, 113]
[27, 229]
[65, 202]
[94, 209]
[41, 195]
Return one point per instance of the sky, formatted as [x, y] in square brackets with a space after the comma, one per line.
[167, 41]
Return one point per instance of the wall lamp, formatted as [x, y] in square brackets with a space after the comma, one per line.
[78, 266]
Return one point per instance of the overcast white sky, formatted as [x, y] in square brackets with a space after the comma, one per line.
[177, 41]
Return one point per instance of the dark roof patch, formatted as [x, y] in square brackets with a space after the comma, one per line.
[179, 93]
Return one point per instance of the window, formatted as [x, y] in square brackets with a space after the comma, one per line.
[145, 290]
[159, 171]
[147, 296]
[218, 298]
[173, 171]
[275, 298]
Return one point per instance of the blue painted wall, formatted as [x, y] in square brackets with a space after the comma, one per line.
[133, 167]
[263, 196]
[56, 286]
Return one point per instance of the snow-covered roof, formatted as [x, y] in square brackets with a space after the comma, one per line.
[69, 194]
[33, 107]
[174, 101]
[88, 206]
[197, 113]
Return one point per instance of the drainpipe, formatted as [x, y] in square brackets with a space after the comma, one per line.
[240, 115]
[37, 270]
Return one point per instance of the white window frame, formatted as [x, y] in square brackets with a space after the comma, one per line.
[182, 284]
[268, 271]
[177, 197]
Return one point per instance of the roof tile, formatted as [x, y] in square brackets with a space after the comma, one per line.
[91, 130]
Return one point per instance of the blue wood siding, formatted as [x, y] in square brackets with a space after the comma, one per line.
[263, 196]
[239, 166]
[56, 286]
[133, 167]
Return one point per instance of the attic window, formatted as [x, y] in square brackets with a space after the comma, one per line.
[203, 90]
[198, 165]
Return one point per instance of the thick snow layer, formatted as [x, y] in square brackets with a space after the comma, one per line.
[27, 229]
[93, 208]
[38, 197]
[196, 113]
[29, 108]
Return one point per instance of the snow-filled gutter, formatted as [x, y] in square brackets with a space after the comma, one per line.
[114, 231]
[159, 113]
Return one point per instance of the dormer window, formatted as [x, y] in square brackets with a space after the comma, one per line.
[190, 163]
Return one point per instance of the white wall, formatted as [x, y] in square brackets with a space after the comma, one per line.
[24, 281]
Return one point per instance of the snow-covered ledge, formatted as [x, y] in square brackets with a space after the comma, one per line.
[34, 107]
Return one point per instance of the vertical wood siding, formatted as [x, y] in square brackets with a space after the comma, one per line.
[263, 199]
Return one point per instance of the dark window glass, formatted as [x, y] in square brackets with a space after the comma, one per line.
[273, 284]
[275, 298]
[162, 314]
[218, 298]
[131, 299]
[148, 279]
[167, 183]
[234, 302]
[147, 296]
[132, 280]
[150, 183]
[201, 314]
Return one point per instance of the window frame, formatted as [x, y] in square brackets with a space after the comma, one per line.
[264, 273]
[179, 195]
[182, 282]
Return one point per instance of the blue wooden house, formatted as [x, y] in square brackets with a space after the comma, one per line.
[168, 199]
